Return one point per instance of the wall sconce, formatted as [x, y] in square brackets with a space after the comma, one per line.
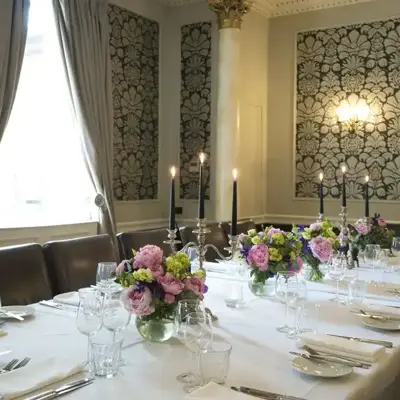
[353, 116]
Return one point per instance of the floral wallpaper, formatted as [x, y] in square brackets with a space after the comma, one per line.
[134, 42]
[195, 127]
[358, 64]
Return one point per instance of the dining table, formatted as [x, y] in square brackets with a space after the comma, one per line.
[260, 355]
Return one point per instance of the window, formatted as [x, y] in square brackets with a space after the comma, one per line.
[43, 179]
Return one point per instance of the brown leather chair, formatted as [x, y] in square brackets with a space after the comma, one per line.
[217, 237]
[72, 264]
[128, 241]
[242, 226]
[23, 275]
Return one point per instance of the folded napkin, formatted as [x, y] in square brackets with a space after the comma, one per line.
[343, 347]
[3, 333]
[36, 376]
[70, 298]
[382, 310]
[213, 391]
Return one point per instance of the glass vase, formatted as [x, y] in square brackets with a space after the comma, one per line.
[262, 289]
[155, 330]
[312, 274]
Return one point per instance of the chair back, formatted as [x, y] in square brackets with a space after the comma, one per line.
[134, 240]
[217, 237]
[242, 226]
[23, 275]
[72, 263]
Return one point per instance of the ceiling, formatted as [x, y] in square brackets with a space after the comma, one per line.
[275, 8]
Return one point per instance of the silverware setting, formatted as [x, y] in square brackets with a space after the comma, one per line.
[15, 364]
[61, 390]
[382, 317]
[261, 394]
[57, 306]
[10, 314]
[383, 343]
[330, 359]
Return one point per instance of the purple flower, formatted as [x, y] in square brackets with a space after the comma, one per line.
[123, 266]
[258, 256]
[321, 248]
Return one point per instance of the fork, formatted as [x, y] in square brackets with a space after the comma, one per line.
[22, 363]
[9, 366]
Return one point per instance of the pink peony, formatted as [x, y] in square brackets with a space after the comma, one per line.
[195, 284]
[169, 298]
[150, 257]
[258, 256]
[121, 266]
[170, 284]
[296, 265]
[321, 248]
[139, 300]
[382, 223]
[363, 228]
[316, 226]
[272, 231]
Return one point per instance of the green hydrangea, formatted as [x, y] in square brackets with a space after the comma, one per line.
[143, 275]
[256, 240]
[252, 232]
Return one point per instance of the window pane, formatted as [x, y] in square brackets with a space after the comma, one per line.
[43, 178]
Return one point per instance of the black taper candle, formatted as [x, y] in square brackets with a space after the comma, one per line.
[234, 204]
[172, 201]
[344, 200]
[201, 188]
[321, 194]
[366, 197]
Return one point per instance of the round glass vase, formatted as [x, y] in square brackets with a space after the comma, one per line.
[155, 330]
[266, 289]
[311, 274]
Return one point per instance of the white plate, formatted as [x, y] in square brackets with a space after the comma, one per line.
[22, 311]
[384, 325]
[321, 369]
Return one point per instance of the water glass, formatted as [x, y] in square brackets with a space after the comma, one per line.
[307, 318]
[396, 246]
[214, 363]
[184, 308]
[336, 271]
[359, 291]
[105, 357]
[106, 275]
[350, 276]
[371, 253]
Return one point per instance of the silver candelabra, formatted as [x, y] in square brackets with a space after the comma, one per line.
[345, 243]
[320, 217]
[201, 247]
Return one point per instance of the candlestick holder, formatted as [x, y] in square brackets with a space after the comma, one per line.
[345, 243]
[320, 217]
[201, 247]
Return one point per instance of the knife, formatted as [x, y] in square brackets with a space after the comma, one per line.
[383, 343]
[48, 394]
[332, 359]
[262, 394]
[11, 314]
[378, 317]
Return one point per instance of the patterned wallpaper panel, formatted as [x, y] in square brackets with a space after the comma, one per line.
[195, 130]
[357, 63]
[134, 42]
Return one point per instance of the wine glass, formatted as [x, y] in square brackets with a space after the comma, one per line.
[396, 248]
[197, 336]
[371, 253]
[336, 271]
[105, 276]
[286, 289]
[350, 276]
[184, 308]
[116, 317]
[88, 316]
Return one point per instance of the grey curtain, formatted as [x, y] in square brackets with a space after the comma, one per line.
[13, 31]
[83, 31]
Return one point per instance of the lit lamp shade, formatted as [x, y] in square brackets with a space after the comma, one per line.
[357, 112]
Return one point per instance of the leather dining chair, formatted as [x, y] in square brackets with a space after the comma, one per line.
[217, 237]
[134, 240]
[242, 226]
[23, 275]
[72, 263]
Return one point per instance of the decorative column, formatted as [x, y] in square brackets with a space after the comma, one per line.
[229, 14]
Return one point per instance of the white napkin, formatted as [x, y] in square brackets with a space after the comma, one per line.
[343, 347]
[382, 310]
[213, 391]
[70, 298]
[36, 376]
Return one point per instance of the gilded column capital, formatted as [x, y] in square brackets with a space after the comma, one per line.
[230, 12]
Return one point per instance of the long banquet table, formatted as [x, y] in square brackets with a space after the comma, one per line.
[260, 356]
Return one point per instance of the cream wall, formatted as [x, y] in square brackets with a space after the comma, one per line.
[281, 203]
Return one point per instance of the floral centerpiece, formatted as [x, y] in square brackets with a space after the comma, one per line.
[154, 285]
[269, 252]
[372, 231]
[319, 242]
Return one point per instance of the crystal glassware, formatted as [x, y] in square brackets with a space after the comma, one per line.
[184, 308]
[360, 289]
[105, 276]
[105, 356]
[336, 271]
[396, 246]
[307, 318]
[350, 276]
[88, 316]
[371, 253]
[286, 289]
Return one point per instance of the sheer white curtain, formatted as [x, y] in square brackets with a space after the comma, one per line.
[43, 179]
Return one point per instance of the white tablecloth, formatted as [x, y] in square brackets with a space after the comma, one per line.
[260, 356]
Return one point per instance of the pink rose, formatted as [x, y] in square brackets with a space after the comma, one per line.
[195, 284]
[170, 284]
[272, 231]
[363, 228]
[169, 298]
[157, 272]
[259, 256]
[382, 223]
[139, 300]
[321, 248]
